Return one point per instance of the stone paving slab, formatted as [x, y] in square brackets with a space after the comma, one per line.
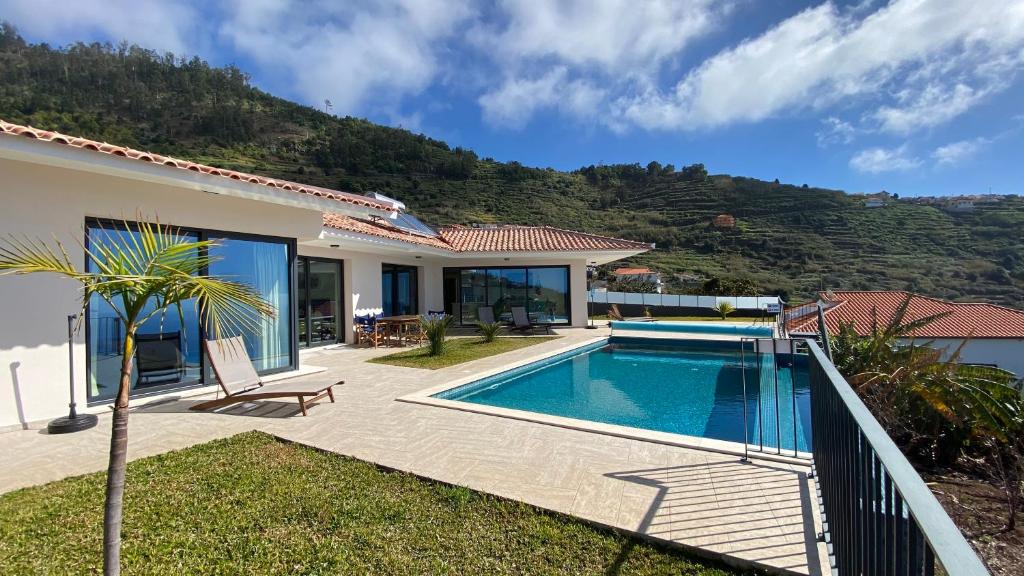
[760, 513]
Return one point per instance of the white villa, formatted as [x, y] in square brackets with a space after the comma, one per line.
[320, 256]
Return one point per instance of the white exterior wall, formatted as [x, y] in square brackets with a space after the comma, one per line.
[1006, 353]
[42, 201]
[45, 201]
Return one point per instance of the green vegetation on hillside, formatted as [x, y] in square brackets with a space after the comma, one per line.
[788, 239]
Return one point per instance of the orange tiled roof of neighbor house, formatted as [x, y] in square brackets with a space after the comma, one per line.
[631, 271]
[724, 221]
[965, 320]
[125, 152]
[531, 239]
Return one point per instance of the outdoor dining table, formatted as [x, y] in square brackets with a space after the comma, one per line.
[397, 326]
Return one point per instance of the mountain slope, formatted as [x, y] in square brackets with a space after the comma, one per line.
[788, 239]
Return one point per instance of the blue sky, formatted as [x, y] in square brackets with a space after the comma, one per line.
[918, 97]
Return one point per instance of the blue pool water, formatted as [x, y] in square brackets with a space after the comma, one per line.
[682, 387]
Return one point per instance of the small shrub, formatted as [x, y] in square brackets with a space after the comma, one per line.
[436, 326]
[647, 312]
[724, 309]
[613, 312]
[489, 330]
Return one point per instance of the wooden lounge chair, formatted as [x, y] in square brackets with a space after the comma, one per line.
[521, 321]
[241, 383]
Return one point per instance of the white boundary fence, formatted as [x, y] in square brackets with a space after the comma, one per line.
[680, 300]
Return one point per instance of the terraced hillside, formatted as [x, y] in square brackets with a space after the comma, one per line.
[789, 239]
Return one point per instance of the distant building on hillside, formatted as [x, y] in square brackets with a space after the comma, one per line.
[876, 200]
[962, 205]
[991, 335]
[724, 221]
[641, 275]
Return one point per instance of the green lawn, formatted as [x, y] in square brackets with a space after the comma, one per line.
[460, 350]
[253, 505]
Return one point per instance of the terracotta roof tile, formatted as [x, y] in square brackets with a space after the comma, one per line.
[975, 320]
[532, 238]
[113, 150]
[381, 230]
[498, 239]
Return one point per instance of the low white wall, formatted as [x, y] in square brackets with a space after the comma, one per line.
[1006, 353]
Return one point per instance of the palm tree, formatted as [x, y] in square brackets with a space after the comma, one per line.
[158, 266]
[724, 308]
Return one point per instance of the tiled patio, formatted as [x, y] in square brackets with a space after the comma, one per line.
[762, 513]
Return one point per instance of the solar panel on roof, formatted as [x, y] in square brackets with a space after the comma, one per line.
[410, 223]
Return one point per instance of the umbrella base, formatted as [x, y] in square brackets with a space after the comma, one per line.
[68, 424]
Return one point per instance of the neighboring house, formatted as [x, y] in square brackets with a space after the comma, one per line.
[962, 206]
[640, 275]
[319, 256]
[874, 203]
[724, 221]
[994, 334]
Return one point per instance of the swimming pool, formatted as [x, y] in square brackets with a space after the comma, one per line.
[689, 387]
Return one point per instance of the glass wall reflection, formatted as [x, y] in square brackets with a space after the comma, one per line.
[167, 345]
[543, 291]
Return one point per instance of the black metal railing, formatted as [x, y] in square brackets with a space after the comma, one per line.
[879, 516]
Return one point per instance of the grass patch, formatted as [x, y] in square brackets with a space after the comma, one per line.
[252, 505]
[460, 350]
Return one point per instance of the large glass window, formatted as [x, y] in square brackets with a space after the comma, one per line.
[167, 345]
[263, 264]
[319, 300]
[542, 290]
[399, 290]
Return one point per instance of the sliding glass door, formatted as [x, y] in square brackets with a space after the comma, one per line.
[168, 346]
[265, 265]
[319, 297]
[169, 352]
[542, 290]
[399, 290]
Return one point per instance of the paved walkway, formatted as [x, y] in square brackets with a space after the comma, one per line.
[760, 513]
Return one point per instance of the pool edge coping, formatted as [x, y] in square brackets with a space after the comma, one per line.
[426, 397]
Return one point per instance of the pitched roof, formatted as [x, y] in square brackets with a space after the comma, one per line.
[631, 271]
[8, 128]
[497, 239]
[974, 320]
[381, 230]
[531, 239]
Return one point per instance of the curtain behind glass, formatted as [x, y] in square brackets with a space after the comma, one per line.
[263, 265]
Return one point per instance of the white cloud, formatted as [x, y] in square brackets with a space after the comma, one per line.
[877, 160]
[517, 99]
[619, 44]
[956, 152]
[161, 25]
[835, 131]
[614, 35]
[931, 106]
[824, 55]
[350, 54]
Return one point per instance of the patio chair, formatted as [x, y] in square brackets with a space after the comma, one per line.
[158, 359]
[241, 383]
[368, 329]
[521, 321]
[485, 314]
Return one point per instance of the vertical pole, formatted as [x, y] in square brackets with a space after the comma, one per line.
[778, 419]
[743, 373]
[792, 384]
[760, 409]
[71, 363]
